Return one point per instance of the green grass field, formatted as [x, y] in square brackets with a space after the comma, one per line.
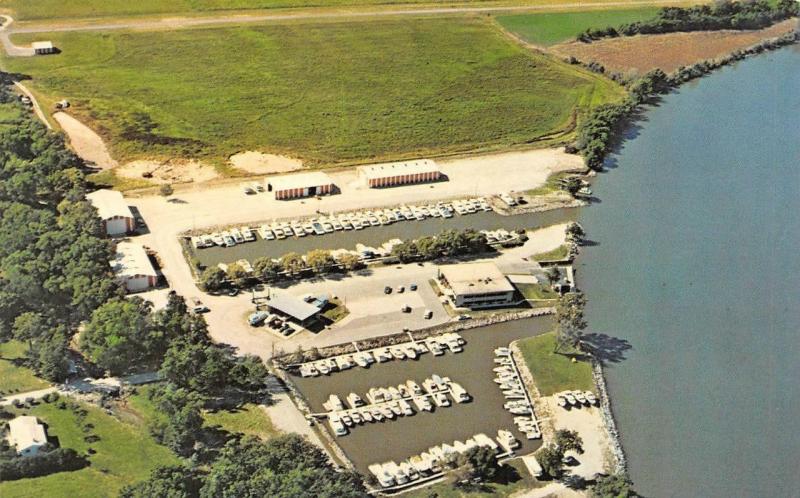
[559, 253]
[14, 378]
[250, 419]
[536, 291]
[553, 372]
[556, 27]
[325, 92]
[125, 454]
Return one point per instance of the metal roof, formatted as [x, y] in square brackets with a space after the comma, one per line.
[42, 45]
[293, 306]
[109, 204]
[300, 180]
[25, 432]
[399, 168]
[131, 260]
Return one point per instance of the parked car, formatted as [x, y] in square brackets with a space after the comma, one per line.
[428, 314]
[406, 308]
[463, 317]
[257, 318]
[387, 290]
[413, 287]
[401, 289]
[233, 292]
[197, 310]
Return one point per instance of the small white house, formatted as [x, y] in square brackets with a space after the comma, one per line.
[27, 435]
[132, 267]
[43, 47]
[113, 210]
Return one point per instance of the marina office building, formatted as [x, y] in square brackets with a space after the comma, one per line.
[399, 173]
[300, 185]
[476, 285]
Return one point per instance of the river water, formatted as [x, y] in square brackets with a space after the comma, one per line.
[696, 265]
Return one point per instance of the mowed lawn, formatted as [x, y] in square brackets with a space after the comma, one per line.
[338, 92]
[554, 372]
[124, 454]
[556, 27]
[15, 378]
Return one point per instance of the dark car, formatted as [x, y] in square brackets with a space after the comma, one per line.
[413, 287]
[233, 292]
[401, 289]
[387, 290]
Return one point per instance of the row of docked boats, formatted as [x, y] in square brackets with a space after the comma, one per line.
[437, 346]
[357, 220]
[387, 403]
[577, 399]
[429, 463]
[517, 401]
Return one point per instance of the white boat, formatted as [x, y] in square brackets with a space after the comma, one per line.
[354, 400]
[430, 386]
[562, 402]
[267, 233]
[357, 224]
[385, 479]
[414, 388]
[357, 418]
[327, 226]
[334, 404]
[336, 424]
[237, 235]
[579, 397]
[409, 470]
[348, 421]
[404, 392]
[406, 407]
[398, 352]
[394, 393]
[344, 362]
[367, 414]
[248, 234]
[507, 440]
[395, 408]
[503, 361]
[228, 239]
[375, 395]
[278, 231]
[360, 360]
[394, 470]
[346, 224]
[387, 412]
[383, 354]
[570, 398]
[377, 414]
[441, 400]
[323, 367]
[503, 369]
[434, 347]
[410, 352]
[454, 346]
[590, 398]
[459, 393]
[422, 403]
[502, 352]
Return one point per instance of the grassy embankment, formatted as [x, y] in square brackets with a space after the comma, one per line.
[554, 372]
[551, 28]
[558, 254]
[125, 453]
[14, 377]
[67, 9]
[329, 93]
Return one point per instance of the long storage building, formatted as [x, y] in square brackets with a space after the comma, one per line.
[117, 217]
[300, 185]
[133, 269]
[400, 173]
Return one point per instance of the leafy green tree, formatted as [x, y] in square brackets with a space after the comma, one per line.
[550, 459]
[481, 462]
[180, 422]
[267, 269]
[292, 263]
[118, 336]
[52, 357]
[283, 467]
[29, 327]
[568, 440]
[320, 260]
[613, 486]
[237, 274]
[213, 279]
[198, 367]
[570, 322]
[166, 482]
[350, 261]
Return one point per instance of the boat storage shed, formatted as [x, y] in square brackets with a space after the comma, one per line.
[117, 217]
[300, 185]
[132, 267]
[292, 307]
[43, 47]
[27, 435]
[400, 173]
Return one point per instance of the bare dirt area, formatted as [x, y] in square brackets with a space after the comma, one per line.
[170, 171]
[259, 163]
[639, 54]
[85, 142]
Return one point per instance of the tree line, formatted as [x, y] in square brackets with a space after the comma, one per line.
[320, 261]
[725, 14]
[54, 257]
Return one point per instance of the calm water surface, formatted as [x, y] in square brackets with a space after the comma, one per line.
[697, 267]
[404, 437]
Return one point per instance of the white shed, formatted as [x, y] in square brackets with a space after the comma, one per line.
[27, 435]
[132, 267]
[113, 210]
[43, 47]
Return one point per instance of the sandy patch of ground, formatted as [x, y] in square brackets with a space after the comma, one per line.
[85, 142]
[588, 422]
[639, 54]
[259, 163]
[171, 171]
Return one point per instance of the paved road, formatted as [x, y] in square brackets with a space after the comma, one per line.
[173, 22]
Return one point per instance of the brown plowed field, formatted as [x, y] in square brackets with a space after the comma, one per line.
[639, 54]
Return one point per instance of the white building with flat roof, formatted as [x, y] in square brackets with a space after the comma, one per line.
[300, 185]
[27, 435]
[476, 285]
[117, 217]
[399, 173]
[43, 47]
[132, 267]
